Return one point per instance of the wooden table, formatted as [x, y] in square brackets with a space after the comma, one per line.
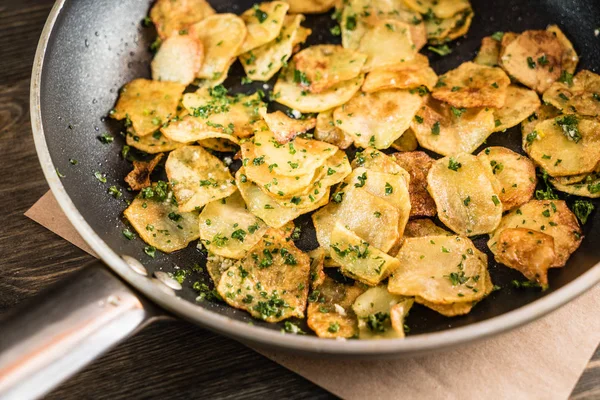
[171, 359]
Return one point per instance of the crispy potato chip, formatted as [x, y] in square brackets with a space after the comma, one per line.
[551, 217]
[386, 44]
[439, 269]
[263, 21]
[271, 282]
[407, 75]
[217, 78]
[262, 63]
[321, 67]
[520, 103]
[581, 96]
[222, 36]
[267, 209]
[219, 144]
[170, 16]
[588, 186]
[139, 178]
[441, 30]
[472, 85]
[285, 128]
[375, 160]
[160, 223]
[178, 59]
[489, 52]
[570, 59]
[358, 259]
[152, 144]
[439, 8]
[326, 131]
[228, 229]
[216, 266]
[197, 177]
[295, 96]
[424, 227]
[406, 142]
[191, 129]
[376, 310]
[317, 275]
[418, 163]
[377, 119]
[146, 104]
[514, 172]
[446, 130]
[572, 140]
[310, 6]
[330, 313]
[528, 125]
[467, 201]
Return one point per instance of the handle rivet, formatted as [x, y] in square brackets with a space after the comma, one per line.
[135, 265]
[167, 279]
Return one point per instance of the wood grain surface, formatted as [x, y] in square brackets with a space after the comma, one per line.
[170, 359]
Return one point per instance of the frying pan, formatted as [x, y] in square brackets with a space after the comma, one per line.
[87, 51]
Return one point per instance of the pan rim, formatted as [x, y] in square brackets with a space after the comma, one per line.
[423, 343]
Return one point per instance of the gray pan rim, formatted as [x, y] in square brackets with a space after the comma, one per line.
[265, 338]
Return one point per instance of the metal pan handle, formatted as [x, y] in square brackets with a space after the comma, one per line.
[52, 337]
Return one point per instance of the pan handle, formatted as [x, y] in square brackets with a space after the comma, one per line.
[52, 337]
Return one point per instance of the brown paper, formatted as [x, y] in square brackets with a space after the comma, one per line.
[542, 360]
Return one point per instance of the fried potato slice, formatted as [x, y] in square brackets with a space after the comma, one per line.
[214, 81]
[330, 313]
[323, 66]
[441, 30]
[520, 103]
[173, 16]
[219, 144]
[295, 96]
[139, 178]
[446, 130]
[263, 22]
[472, 85]
[377, 119]
[439, 269]
[146, 104]
[228, 229]
[284, 128]
[534, 58]
[160, 223]
[375, 160]
[358, 259]
[216, 266]
[514, 172]
[381, 314]
[387, 43]
[151, 144]
[317, 275]
[406, 142]
[543, 113]
[178, 59]
[326, 131]
[467, 201]
[191, 129]
[570, 59]
[310, 6]
[489, 52]
[551, 217]
[424, 227]
[197, 177]
[589, 186]
[582, 97]
[266, 208]
[572, 140]
[418, 163]
[270, 282]
[440, 8]
[407, 75]
[222, 36]
[262, 63]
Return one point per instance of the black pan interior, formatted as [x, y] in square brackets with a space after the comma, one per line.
[98, 45]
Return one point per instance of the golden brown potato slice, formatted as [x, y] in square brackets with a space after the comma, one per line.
[263, 22]
[588, 186]
[551, 217]
[190, 129]
[317, 275]
[580, 96]
[472, 85]
[326, 131]
[170, 16]
[155, 217]
[566, 145]
[528, 125]
[285, 128]
[262, 63]
[386, 44]
[219, 144]
[146, 105]
[228, 229]
[294, 95]
[489, 52]
[139, 178]
[442, 30]
[408, 75]
[466, 199]
[178, 59]
[448, 130]
[520, 104]
[310, 6]
[514, 172]
[330, 313]
[197, 177]
[217, 79]
[440, 269]
[152, 144]
[424, 227]
[358, 259]
[375, 160]
[222, 36]
[271, 282]
[440, 8]
[381, 314]
[406, 142]
[323, 66]
[418, 163]
[570, 59]
[216, 266]
[377, 119]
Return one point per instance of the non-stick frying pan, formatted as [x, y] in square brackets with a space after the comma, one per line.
[88, 50]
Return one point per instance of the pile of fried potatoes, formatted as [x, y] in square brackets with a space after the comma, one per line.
[380, 250]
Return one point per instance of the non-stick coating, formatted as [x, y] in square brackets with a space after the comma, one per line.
[98, 45]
